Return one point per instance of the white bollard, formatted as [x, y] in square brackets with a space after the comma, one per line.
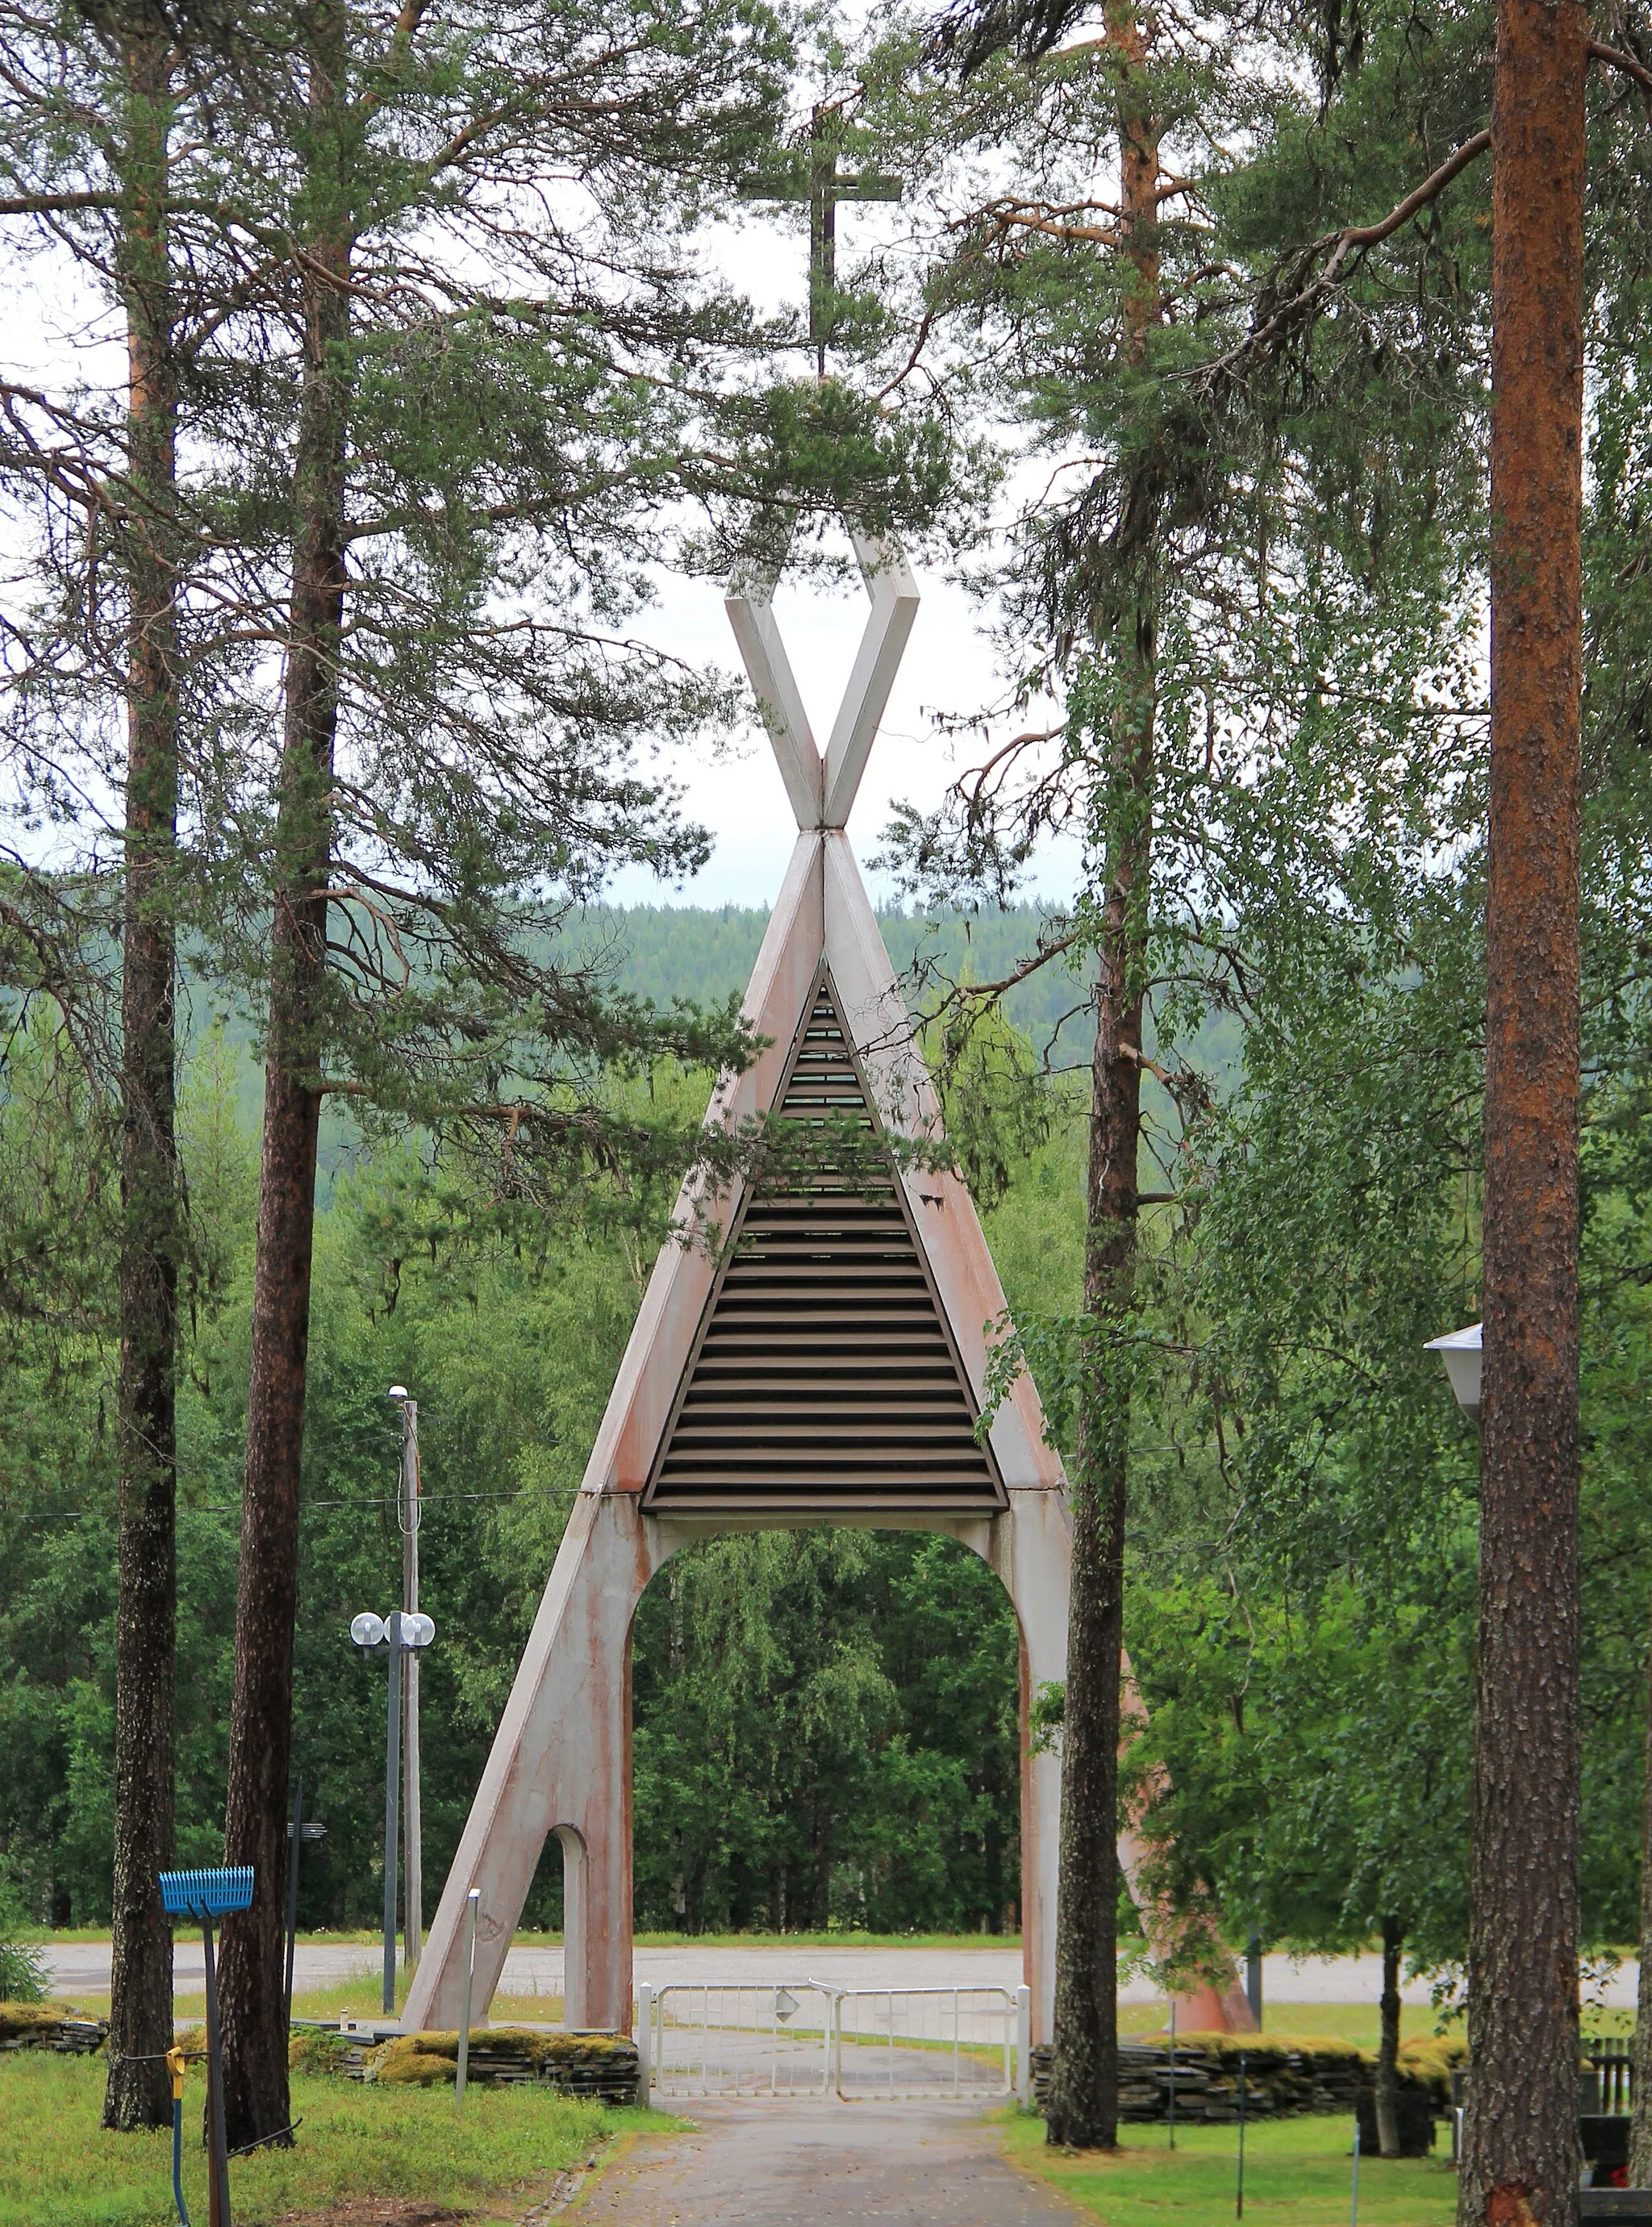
[472, 1904]
[1023, 2047]
[644, 2036]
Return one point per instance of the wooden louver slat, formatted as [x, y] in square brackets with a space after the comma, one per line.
[824, 1378]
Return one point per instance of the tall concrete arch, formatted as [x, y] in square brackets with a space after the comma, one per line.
[698, 1440]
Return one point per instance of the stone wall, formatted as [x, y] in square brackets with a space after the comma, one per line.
[602, 2065]
[1286, 2076]
[51, 2026]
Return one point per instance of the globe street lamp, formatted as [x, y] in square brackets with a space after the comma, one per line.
[407, 1517]
[1460, 1351]
[399, 1635]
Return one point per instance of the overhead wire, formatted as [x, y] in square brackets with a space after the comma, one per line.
[233, 1507]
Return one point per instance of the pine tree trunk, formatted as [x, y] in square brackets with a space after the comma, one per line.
[1640, 2140]
[138, 2093]
[1520, 2132]
[255, 2093]
[1387, 2069]
[1082, 2100]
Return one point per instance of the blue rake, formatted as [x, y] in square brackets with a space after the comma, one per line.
[203, 1895]
[207, 1893]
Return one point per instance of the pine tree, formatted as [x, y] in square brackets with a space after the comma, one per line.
[89, 153]
[1196, 621]
[500, 408]
[152, 1204]
[1521, 2153]
[443, 385]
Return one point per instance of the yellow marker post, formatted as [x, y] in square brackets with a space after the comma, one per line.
[176, 2061]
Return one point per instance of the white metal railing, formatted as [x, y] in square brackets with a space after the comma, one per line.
[931, 2042]
[707, 2039]
[807, 2038]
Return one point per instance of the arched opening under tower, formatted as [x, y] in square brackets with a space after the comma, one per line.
[826, 1737]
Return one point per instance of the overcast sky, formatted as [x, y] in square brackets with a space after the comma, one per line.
[948, 673]
[948, 670]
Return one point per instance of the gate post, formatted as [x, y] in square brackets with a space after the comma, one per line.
[1023, 2046]
[645, 2042]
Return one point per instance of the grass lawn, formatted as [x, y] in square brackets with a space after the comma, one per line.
[1297, 2173]
[361, 1998]
[506, 2144]
[1356, 2022]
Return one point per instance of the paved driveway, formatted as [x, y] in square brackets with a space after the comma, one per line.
[794, 2165]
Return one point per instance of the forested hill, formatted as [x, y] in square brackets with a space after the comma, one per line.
[682, 951]
[704, 953]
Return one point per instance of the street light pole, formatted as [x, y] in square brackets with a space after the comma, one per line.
[408, 1513]
[402, 1635]
[392, 1787]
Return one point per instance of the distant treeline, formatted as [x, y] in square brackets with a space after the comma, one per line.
[683, 951]
[706, 954]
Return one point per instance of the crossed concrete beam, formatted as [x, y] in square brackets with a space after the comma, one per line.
[822, 785]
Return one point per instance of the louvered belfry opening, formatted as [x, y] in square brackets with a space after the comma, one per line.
[824, 1378]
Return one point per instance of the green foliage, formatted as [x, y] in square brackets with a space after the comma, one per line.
[825, 1723]
[23, 1973]
[511, 1342]
[997, 1108]
[1318, 1760]
[825, 1734]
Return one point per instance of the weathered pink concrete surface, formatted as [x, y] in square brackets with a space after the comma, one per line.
[561, 1758]
[1208, 2008]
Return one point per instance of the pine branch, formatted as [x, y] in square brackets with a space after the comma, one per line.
[1339, 246]
[56, 204]
[1615, 58]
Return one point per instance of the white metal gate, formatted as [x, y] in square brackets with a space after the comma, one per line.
[807, 2038]
[708, 2040]
[894, 2042]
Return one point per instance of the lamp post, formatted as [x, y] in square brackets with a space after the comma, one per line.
[1460, 1351]
[407, 1516]
[399, 1636]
